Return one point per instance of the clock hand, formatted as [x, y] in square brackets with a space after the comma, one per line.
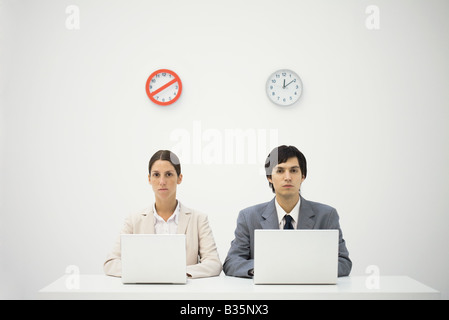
[284, 85]
[288, 83]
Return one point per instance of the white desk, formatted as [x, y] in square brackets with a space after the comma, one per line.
[231, 288]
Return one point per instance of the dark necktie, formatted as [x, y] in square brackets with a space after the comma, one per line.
[288, 222]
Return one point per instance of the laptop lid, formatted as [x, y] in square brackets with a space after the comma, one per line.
[296, 257]
[153, 258]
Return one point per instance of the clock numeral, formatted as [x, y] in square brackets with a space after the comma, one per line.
[284, 87]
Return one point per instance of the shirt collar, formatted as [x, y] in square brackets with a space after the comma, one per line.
[281, 212]
[174, 216]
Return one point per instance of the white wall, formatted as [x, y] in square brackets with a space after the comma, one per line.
[77, 128]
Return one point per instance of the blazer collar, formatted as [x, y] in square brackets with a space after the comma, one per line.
[183, 219]
[270, 216]
[306, 216]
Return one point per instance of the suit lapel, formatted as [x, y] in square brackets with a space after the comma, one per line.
[148, 222]
[306, 215]
[270, 217]
[183, 219]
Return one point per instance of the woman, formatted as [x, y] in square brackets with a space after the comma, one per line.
[169, 216]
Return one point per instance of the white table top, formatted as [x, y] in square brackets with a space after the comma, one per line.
[231, 288]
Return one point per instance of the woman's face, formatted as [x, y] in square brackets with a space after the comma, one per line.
[164, 180]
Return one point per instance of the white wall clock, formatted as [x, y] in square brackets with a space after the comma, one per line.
[284, 87]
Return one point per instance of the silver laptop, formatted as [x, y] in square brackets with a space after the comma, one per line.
[296, 257]
[153, 258]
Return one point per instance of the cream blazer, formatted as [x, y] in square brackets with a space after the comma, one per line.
[201, 252]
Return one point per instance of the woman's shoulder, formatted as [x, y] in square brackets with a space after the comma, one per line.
[140, 214]
[194, 213]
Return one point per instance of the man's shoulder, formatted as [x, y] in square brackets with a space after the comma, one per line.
[319, 207]
[256, 209]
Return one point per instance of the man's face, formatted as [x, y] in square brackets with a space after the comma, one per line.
[287, 178]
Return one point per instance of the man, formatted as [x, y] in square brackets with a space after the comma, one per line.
[286, 170]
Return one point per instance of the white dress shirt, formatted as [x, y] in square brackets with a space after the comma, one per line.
[281, 213]
[166, 227]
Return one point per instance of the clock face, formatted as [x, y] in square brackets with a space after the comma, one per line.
[163, 87]
[284, 87]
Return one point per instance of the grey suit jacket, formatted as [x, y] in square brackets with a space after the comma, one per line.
[312, 215]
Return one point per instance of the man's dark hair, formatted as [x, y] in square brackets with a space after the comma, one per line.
[280, 155]
[168, 156]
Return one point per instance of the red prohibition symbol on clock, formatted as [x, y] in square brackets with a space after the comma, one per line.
[163, 87]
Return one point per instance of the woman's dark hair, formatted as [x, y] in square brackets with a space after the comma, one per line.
[166, 155]
[282, 154]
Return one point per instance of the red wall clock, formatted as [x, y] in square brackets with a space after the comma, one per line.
[163, 87]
